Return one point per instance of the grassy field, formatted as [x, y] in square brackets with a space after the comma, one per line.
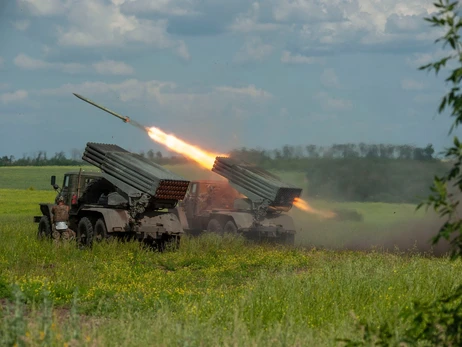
[212, 291]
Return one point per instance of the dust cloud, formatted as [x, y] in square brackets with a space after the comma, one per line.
[408, 237]
[405, 236]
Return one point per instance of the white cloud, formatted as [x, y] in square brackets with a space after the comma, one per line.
[22, 25]
[104, 67]
[168, 96]
[19, 118]
[428, 98]
[15, 96]
[409, 84]
[289, 58]
[329, 79]
[420, 59]
[27, 63]
[250, 90]
[44, 7]
[182, 51]
[111, 67]
[249, 22]
[302, 10]
[329, 103]
[134, 90]
[97, 23]
[324, 24]
[163, 7]
[128, 90]
[317, 25]
[254, 49]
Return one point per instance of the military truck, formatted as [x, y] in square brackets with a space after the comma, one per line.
[131, 197]
[250, 201]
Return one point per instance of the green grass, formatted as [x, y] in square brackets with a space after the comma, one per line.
[212, 291]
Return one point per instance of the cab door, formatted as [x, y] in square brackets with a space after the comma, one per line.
[66, 190]
[190, 203]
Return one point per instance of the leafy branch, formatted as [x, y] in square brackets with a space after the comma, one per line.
[444, 197]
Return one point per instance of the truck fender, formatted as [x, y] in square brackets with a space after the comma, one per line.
[245, 219]
[46, 209]
[242, 219]
[169, 221]
[178, 211]
[116, 219]
[284, 220]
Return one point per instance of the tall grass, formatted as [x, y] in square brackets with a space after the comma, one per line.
[212, 291]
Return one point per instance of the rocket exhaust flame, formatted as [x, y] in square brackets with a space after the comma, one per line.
[304, 206]
[203, 158]
[207, 159]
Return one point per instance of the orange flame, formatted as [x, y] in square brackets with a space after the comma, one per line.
[303, 205]
[203, 158]
[206, 160]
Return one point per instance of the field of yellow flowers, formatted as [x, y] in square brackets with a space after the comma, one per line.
[211, 291]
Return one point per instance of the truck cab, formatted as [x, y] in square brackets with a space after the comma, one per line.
[74, 184]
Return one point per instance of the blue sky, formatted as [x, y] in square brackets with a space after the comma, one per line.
[219, 74]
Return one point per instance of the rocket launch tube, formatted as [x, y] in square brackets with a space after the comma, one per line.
[123, 118]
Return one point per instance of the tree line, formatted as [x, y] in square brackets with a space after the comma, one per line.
[356, 172]
[342, 172]
[256, 156]
[349, 150]
[41, 158]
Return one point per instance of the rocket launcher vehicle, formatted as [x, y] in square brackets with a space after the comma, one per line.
[257, 184]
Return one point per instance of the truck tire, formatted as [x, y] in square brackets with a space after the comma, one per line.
[214, 226]
[169, 242]
[230, 227]
[288, 239]
[85, 232]
[100, 233]
[44, 228]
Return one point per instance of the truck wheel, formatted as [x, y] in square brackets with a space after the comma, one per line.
[169, 242]
[214, 226]
[288, 239]
[85, 232]
[100, 230]
[44, 228]
[230, 227]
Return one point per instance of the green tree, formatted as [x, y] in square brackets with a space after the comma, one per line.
[447, 188]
